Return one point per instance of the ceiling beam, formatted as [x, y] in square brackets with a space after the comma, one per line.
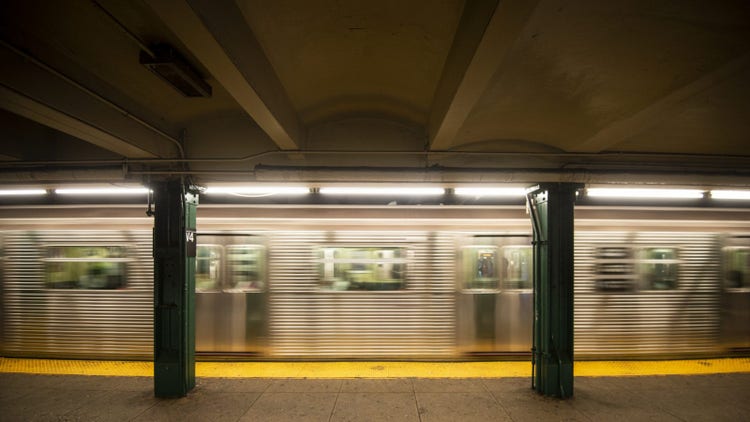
[48, 116]
[485, 36]
[217, 34]
[38, 93]
[660, 110]
[7, 157]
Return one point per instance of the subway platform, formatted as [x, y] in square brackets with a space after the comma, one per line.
[692, 390]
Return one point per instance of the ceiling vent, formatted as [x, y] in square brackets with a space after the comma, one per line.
[169, 65]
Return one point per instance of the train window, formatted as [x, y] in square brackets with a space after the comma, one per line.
[362, 268]
[85, 267]
[614, 269]
[245, 268]
[517, 262]
[736, 267]
[480, 267]
[208, 267]
[659, 268]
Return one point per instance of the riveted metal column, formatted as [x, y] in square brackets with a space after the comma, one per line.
[551, 209]
[174, 289]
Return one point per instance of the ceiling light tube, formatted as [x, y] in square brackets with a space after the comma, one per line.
[115, 191]
[509, 192]
[638, 193]
[731, 194]
[382, 191]
[257, 190]
[22, 192]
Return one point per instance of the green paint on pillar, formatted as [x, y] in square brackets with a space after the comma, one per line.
[174, 289]
[551, 209]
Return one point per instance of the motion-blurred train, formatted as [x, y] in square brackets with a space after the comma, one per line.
[375, 282]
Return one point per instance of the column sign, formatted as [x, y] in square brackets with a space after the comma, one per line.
[190, 243]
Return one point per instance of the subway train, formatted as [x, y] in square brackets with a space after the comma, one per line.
[304, 282]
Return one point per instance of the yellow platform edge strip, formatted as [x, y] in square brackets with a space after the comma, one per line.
[376, 369]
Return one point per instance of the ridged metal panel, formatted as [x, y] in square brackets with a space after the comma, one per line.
[312, 323]
[44, 322]
[308, 323]
[668, 322]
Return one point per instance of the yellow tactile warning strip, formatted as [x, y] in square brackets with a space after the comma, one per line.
[77, 367]
[376, 369]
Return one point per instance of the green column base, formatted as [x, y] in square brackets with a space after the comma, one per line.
[174, 289]
[551, 207]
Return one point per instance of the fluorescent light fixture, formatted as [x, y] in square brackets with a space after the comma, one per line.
[383, 191]
[257, 190]
[22, 192]
[102, 191]
[731, 194]
[515, 192]
[645, 193]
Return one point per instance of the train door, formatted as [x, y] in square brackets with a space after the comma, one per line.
[735, 303]
[494, 295]
[231, 294]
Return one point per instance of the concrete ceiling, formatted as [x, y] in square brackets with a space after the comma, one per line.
[420, 90]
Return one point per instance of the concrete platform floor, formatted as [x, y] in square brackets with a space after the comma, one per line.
[717, 397]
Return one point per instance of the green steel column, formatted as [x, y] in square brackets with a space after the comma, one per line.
[551, 209]
[174, 289]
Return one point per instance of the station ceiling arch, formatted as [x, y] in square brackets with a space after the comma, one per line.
[299, 90]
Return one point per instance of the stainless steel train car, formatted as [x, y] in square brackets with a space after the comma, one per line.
[375, 282]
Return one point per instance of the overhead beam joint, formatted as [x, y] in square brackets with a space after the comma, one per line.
[486, 34]
[217, 34]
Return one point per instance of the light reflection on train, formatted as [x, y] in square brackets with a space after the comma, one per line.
[394, 288]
